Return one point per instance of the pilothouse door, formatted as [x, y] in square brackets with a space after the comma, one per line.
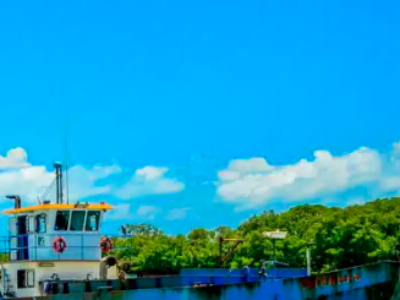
[22, 238]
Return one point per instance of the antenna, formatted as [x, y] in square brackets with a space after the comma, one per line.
[66, 161]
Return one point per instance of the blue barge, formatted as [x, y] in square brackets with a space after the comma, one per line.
[373, 282]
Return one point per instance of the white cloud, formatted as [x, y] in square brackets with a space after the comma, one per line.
[31, 182]
[147, 212]
[149, 180]
[396, 147]
[120, 212]
[83, 181]
[253, 182]
[15, 158]
[150, 173]
[390, 183]
[177, 213]
[124, 211]
[28, 182]
[18, 176]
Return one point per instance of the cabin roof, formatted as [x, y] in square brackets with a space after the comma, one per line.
[53, 206]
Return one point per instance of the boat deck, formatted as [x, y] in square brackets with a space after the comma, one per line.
[236, 284]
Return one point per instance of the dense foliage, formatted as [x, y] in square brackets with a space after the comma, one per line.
[342, 238]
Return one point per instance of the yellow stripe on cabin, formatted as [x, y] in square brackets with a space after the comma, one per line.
[54, 206]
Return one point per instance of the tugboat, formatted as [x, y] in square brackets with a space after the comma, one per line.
[51, 242]
[55, 250]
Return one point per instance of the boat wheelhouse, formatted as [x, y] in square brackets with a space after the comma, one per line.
[50, 241]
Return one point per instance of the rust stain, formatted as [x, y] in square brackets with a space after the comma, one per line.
[308, 283]
[331, 279]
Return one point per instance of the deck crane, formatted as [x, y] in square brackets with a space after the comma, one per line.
[224, 259]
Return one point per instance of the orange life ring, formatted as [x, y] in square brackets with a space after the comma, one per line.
[106, 245]
[59, 245]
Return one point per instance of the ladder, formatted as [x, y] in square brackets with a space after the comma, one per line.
[8, 290]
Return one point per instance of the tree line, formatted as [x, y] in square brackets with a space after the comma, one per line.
[341, 237]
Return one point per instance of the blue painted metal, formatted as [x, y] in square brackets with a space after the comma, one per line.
[278, 272]
[39, 247]
[34, 247]
[345, 284]
[354, 283]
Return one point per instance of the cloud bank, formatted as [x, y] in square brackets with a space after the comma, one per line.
[253, 182]
[149, 180]
[245, 183]
[18, 176]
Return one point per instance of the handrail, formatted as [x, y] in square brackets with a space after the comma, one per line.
[38, 246]
[68, 233]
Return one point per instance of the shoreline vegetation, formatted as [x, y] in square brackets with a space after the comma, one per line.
[343, 237]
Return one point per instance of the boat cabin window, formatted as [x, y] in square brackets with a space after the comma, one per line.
[77, 220]
[25, 279]
[30, 278]
[92, 221]
[30, 224]
[41, 223]
[62, 220]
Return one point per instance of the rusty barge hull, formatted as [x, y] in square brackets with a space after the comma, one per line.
[369, 282]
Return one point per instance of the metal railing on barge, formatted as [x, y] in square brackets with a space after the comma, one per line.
[43, 247]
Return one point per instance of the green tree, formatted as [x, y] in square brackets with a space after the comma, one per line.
[343, 237]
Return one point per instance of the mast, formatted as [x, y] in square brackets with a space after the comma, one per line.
[59, 183]
[66, 162]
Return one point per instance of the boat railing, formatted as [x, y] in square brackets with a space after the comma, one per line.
[45, 246]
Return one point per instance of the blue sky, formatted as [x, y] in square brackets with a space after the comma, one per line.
[185, 88]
